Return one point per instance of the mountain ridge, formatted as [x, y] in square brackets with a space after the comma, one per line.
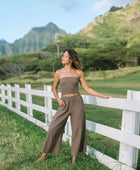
[122, 24]
[109, 42]
[34, 40]
[2, 41]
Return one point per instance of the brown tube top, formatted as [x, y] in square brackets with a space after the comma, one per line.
[69, 85]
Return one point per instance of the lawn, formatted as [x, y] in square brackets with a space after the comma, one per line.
[21, 141]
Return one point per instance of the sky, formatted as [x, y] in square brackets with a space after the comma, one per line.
[18, 17]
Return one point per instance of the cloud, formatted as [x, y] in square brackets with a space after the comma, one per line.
[105, 5]
[67, 5]
[70, 5]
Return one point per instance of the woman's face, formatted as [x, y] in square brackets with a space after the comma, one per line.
[65, 58]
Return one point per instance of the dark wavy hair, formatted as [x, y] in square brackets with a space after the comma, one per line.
[75, 58]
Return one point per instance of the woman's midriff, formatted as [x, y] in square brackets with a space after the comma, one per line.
[69, 95]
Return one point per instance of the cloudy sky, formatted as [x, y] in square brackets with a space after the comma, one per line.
[18, 17]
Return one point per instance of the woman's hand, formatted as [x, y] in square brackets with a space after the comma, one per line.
[61, 102]
[107, 96]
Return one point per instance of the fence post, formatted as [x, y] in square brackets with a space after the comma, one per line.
[48, 104]
[9, 95]
[3, 93]
[130, 124]
[29, 99]
[17, 96]
[68, 131]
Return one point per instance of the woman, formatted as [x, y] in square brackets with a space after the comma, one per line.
[70, 103]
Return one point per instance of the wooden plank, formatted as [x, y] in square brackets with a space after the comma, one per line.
[32, 106]
[28, 117]
[9, 95]
[130, 124]
[126, 137]
[118, 103]
[29, 99]
[2, 93]
[113, 133]
[48, 103]
[106, 160]
[17, 96]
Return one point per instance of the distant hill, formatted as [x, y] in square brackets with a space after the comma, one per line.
[110, 41]
[121, 25]
[33, 41]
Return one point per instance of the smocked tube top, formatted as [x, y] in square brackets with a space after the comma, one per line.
[69, 85]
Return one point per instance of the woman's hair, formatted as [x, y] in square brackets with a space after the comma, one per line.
[75, 58]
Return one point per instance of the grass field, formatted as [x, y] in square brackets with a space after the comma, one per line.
[114, 82]
[21, 141]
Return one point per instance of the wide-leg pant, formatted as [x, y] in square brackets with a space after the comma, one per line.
[74, 107]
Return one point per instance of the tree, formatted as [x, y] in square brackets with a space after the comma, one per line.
[11, 69]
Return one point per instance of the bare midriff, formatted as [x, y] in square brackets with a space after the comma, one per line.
[69, 95]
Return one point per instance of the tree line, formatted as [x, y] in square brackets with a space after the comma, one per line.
[93, 55]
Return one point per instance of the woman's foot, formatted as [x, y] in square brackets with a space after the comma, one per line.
[74, 160]
[43, 156]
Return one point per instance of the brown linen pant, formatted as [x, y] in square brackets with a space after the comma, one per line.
[74, 107]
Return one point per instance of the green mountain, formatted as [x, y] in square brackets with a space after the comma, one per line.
[121, 25]
[110, 41]
[116, 27]
[33, 41]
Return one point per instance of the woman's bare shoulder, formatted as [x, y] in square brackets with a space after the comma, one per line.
[59, 72]
[79, 72]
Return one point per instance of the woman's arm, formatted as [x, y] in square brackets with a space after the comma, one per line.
[55, 85]
[89, 90]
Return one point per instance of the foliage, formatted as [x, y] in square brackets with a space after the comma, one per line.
[49, 64]
[69, 41]
[113, 9]
[113, 82]
[12, 69]
[110, 42]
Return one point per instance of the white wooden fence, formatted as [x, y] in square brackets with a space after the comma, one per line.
[128, 135]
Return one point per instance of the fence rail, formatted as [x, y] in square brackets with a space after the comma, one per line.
[128, 136]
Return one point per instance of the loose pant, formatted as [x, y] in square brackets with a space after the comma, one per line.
[74, 107]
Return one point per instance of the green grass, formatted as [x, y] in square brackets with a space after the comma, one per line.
[21, 142]
[29, 143]
[117, 87]
[113, 82]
